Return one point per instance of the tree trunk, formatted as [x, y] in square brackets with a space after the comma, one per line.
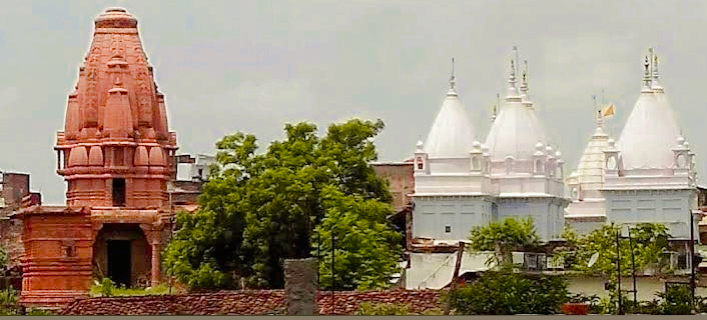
[504, 255]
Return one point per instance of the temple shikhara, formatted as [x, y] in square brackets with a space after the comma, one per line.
[116, 154]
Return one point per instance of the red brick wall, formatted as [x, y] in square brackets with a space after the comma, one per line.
[15, 186]
[400, 176]
[247, 302]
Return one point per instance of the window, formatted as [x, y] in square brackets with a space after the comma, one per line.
[447, 229]
[611, 163]
[119, 192]
[539, 166]
[475, 164]
[680, 161]
[420, 165]
[509, 165]
[119, 157]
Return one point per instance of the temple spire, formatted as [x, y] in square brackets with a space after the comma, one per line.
[654, 68]
[515, 51]
[512, 89]
[494, 111]
[647, 75]
[452, 82]
[524, 81]
[599, 120]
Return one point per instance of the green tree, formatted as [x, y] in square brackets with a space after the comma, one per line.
[259, 209]
[363, 240]
[647, 242]
[504, 237]
[503, 292]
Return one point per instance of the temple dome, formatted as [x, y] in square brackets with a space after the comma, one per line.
[516, 130]
[590, 170]
[452, 134]
[650, 132]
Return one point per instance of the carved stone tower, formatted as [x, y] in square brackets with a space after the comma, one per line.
[116, 145]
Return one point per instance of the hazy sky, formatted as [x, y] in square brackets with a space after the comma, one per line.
[232, 65]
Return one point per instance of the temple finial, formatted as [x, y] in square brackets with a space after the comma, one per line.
[515, 51]
[512, 77]
[524, 82]
[655, 69]
[452, 78]
[494, 110]
[647, 76]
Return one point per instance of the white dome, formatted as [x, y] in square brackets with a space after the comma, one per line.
[590, 170]
[451, 134]
[515, 132]
[650, 133]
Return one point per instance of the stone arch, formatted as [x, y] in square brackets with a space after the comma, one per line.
[475, 163]
[121, 251]
[509, 164]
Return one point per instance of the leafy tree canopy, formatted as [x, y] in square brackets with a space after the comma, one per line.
[647, 242]
[503, 237]
[259, 209]
[505, 293]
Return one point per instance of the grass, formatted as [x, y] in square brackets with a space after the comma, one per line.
[105, 289]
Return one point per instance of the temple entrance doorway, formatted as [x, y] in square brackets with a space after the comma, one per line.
[122, 253]
[119, 261]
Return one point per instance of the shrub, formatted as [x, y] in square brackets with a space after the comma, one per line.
[502, 292]
[382, 309]
[106, 287]
[676, 300]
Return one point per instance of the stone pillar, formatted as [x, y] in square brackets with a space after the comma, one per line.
[301, 286]
[155, 264]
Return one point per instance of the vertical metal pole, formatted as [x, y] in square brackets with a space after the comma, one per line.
[333, 267]
[172, 221]
[633, 268]
[319, 257]
[618, 267]
[692, 257]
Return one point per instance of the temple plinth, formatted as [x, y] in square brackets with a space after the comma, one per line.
[116, 155]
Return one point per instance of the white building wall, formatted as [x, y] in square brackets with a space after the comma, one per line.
[670, 207]
[546, 212]
[449, 217]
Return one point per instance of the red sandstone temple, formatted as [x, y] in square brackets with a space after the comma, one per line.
[116, 155]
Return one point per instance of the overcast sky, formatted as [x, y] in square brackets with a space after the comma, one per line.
[251, 66]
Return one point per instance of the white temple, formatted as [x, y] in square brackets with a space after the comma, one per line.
[647, 176]
[461, 183]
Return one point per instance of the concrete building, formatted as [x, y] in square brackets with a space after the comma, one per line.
[648, 175]
[460, 183]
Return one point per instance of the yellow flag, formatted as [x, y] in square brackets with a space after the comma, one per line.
[608, 111]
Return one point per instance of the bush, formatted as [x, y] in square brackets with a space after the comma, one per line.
[502, 292]
[106, 287]
[676, 300]
[391, 309]
[382, 309]
[9, 305]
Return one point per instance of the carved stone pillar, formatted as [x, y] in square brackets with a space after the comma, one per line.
[155, 264]
[152, 237]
